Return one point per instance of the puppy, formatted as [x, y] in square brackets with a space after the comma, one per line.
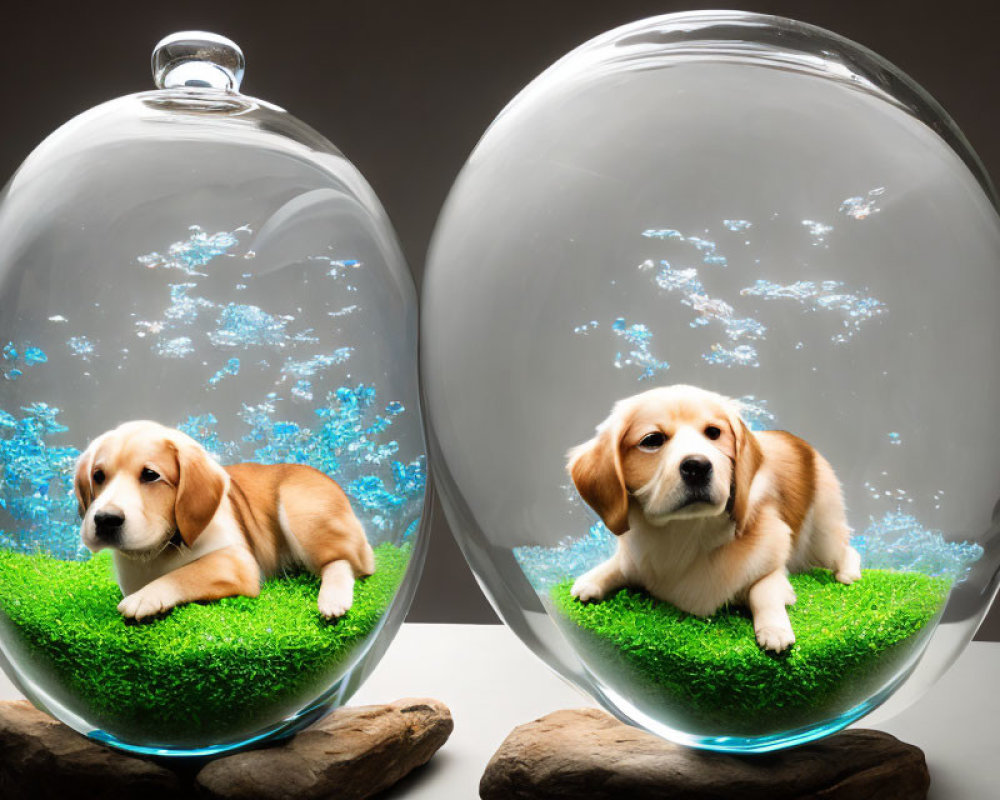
[186, 529]
[708, 513]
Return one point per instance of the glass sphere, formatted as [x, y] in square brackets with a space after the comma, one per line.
[203, 262]
[769, 212]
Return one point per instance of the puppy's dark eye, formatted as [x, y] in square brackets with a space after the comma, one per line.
[652, 441]
[148, 476]
[98, 476]
[712, 432]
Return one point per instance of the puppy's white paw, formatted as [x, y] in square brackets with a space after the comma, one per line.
[848, 576]
[849, 568]
[335, 601]
[776, 639]
[147, 602]
[586, 589]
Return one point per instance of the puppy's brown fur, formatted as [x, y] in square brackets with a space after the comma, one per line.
[766, 503]
[186, 529]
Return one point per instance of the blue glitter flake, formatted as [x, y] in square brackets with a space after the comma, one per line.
[544, 567]
[178, 347]
[302, 390]
[307, 368]
[712, 310]
[862, 207]
[343, 311]
[18, 360]
[705, 246]
[370, 492]
[411, 529]
[818, 231]
[679, 280]
[184, 309]
[823, 296]
[203, 429]
[244, 325]
[755, 413]
[34, 355]
[81, 346]
[663, 233]
[241, 325]
[195, 252]
[231, 368]
[338, 266]
[639, 336]
[898, 541]
[36, 483]
[743, 355]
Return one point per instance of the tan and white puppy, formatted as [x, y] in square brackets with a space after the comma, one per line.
[186, 529]
[707, 512]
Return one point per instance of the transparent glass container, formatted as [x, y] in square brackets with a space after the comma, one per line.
[198, 258]
[762, 209]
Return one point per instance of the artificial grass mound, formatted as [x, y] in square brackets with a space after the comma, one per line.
[203, 673]
[711, 673]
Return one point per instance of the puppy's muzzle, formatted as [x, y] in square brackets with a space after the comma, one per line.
[696, 471]
[108, 524]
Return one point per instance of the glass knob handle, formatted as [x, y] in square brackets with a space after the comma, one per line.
[198, 59]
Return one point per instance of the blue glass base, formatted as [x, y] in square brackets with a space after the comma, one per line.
[623, 710]
[283, 730]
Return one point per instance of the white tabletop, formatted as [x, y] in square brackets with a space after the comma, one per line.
[492, 683]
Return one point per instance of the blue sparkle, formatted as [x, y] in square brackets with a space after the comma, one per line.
[244, 325]
[30, 357]
[302, 390]
[544, 567]
[174, 348]
[36, 487]
[898, 541]
[195, 252]
[34, 355]
[231, 368]
[81, 346]
[640, 338]
[306, 368]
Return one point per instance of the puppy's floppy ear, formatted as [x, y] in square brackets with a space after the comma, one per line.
[596, 470]
[746, 461]
[83, 485]
[200, 487]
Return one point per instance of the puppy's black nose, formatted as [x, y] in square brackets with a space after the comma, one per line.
[696, 470]
[108, 523]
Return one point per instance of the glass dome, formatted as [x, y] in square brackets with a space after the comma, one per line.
[768, 212]
[191, 277]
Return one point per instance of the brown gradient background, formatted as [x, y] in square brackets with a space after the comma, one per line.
[405, 89]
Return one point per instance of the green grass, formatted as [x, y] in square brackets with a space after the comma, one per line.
[204, 672]
[710, 673]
